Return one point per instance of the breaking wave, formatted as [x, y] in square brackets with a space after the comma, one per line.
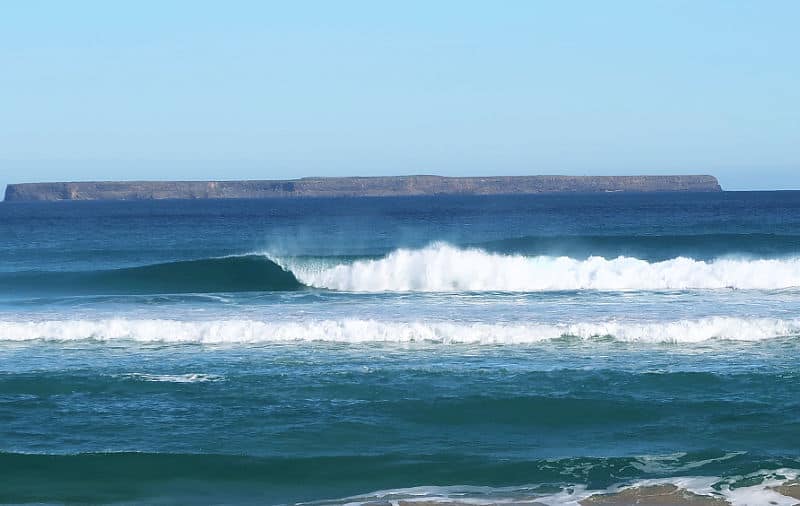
[439, 267]
[445, 268]
[360, 331]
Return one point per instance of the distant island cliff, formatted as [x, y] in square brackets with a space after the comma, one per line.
[389, 186]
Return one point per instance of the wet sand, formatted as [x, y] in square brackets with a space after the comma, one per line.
[656, 495]
[789, 489]
[652, 495]
[425, 502]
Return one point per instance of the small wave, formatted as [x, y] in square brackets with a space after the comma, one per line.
[175, 378]
[225, 274]
[776, 487]
[361, 331]
[208, 478]
[445, 268]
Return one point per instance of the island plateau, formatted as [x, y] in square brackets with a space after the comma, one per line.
[388, 186]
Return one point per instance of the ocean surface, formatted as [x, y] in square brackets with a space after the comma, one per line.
[473, 349]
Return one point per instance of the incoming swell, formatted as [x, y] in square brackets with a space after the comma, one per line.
[245, 273]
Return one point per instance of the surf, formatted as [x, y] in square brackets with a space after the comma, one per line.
[354, 330]
[442, 267]
[439, 267]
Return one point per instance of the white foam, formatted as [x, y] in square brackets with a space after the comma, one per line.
[358, 331]
[445, 268]
[175, 378]
[653, 464]
[759, 493]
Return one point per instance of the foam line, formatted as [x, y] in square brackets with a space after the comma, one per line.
[359, 331]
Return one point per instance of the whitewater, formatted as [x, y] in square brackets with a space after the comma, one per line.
[442, 267]
[364, 331]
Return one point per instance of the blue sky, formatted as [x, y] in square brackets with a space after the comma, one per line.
[228, 90]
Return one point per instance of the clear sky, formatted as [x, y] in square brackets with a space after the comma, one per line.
[238, 89]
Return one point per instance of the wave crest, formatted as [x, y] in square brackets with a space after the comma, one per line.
[444, 268]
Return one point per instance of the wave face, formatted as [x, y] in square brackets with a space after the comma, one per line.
[227, 274]
[360, 331]
[445, 268]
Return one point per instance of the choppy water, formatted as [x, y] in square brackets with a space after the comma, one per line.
[482, 349]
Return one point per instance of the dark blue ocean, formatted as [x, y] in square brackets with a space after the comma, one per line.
[482, 350]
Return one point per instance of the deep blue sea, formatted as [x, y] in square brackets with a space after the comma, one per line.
[381, 350]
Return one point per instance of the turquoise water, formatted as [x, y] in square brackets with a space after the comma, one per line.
[348, 350]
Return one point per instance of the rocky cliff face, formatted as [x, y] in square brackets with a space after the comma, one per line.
[357, 187]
